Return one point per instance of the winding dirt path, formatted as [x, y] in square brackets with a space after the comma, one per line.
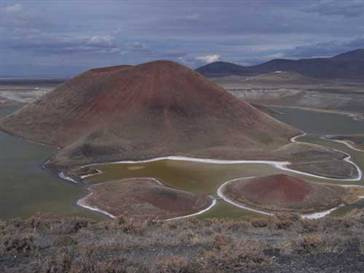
[347, 143]
[83, 203]
[312, 215]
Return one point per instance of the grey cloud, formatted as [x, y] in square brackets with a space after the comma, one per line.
[345, 8]
[326, 49]
[35, 34]
[15, 16]
[65, 44]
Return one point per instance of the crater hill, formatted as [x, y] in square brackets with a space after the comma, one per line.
[150, 110]
[288, 193]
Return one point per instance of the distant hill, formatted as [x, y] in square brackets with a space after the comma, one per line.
[349, 65]
[149, 110]
[222, 69]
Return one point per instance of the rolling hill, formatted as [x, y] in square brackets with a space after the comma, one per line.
[349, 65]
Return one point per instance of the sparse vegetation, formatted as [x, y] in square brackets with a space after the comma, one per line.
[284, 243]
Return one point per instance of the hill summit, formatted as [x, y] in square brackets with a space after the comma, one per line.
[136, 112]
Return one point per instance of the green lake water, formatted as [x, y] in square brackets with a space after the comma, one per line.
[26, 188]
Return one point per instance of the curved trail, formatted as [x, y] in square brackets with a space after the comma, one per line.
[82, 203]
[313, 215]
[348, 159]
[237, 204]
[347, 143]
[213, 203]
[320, 214]
[67, 178]
[282, 165]
[91, 174]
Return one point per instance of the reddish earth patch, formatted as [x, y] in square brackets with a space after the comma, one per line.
[144, 198]
[282, 188]
[285, 193]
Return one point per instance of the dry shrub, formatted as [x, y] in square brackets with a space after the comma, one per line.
[221, 241]
[361, 246]
[68, 262]
[58, 263]
[173, 264]
[117, 265]
[14, 244]
[345, 222]
[64, 240]
[259, 223]
[130, 246]
[356, 214]
[310, 243]
[234, 226]
[69, 226]
[235, 257]
[131, 225]
[285, 220]
[171, 225]
[313, 243]
[189, 237]
[309, 226]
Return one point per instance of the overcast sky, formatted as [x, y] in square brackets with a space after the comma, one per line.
[62, 38]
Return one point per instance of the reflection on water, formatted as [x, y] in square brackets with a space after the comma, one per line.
[25, 188]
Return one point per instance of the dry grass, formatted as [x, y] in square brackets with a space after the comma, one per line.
[52, 244]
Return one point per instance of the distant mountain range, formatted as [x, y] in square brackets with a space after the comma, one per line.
[349, 65]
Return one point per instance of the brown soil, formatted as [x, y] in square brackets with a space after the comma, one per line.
[144, 198]
[286, 193]
[279, 187]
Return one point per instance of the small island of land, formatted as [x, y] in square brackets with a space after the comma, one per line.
[143, 198]
[283, 193]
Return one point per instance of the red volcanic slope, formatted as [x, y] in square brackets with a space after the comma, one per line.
[144, 198]
[277, 188]
[285, 193]
[153, 109]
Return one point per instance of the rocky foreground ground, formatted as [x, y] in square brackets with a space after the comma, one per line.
[280, 244]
